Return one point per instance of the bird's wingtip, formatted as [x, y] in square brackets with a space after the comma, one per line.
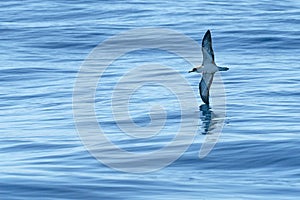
[208, 31]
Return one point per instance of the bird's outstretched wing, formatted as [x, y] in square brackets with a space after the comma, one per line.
[204, 86]
[207, 50]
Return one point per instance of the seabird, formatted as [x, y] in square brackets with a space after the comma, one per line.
[208, 67]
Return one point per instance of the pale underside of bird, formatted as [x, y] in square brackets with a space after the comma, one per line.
[208, 67]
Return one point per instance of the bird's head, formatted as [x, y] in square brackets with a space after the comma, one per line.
[196, 69]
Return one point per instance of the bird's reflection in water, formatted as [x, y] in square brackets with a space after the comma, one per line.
[210, 121]
[206, 117]
[212, 124]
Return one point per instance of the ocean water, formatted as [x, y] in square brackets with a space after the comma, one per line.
[43, 46]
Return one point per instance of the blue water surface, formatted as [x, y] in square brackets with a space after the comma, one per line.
[44, 43]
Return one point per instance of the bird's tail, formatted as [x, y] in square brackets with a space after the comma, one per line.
[223, 68]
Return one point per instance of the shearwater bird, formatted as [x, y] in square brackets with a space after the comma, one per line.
[208, 67]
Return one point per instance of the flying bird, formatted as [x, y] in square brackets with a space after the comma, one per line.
[208, 67]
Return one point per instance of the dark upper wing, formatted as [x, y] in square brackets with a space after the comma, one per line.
[207, 50]
[204, 86]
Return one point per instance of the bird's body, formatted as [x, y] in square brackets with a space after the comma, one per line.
[208, 67]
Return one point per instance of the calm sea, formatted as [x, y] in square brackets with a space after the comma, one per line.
[44, 43]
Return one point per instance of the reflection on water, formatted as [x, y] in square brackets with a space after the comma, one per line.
[206, 116]
[212, 124]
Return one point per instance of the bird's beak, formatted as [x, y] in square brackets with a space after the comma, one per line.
[190, 71]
